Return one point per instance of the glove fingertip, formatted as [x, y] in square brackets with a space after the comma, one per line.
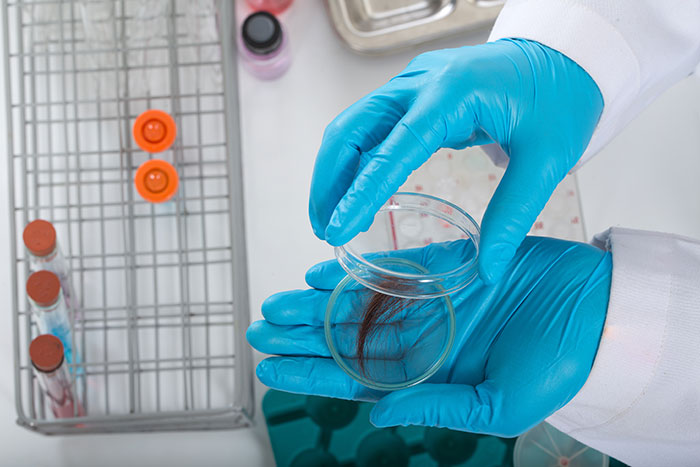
[335, 236]
[388, 410]
[319, 231]
[262, 371]
[274, 306]
[379, 418]
[311, 274]
[269, 304]
[343, 225]
[317, 225]
[253, 332]
[268, 372]
[316, 272]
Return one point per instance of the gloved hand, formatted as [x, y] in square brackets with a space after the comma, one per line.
[540, 106]
[523, 348]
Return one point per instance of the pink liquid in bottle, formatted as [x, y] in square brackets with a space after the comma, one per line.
[273, 6]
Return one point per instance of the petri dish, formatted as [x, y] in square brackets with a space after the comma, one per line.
[546, 446]
[390, 323]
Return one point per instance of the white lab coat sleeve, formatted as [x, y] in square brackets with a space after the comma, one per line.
[633, 50]
[641, 402]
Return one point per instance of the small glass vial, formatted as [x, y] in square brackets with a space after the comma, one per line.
[263, 46]
[46, 354]
[44, 254]
[44, 292]
[273, 6]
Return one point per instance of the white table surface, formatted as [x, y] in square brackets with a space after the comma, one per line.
[646, 178]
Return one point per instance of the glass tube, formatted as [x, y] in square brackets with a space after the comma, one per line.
[48, 305]
[47, 356]
[44, 253]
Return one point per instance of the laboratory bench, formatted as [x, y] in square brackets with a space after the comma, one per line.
[646, 178]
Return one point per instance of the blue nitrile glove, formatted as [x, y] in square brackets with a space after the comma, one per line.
[524, 346]
[540, 106]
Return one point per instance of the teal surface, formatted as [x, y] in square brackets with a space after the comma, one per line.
[313, 431]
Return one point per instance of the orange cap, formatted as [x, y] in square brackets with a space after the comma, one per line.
[44, 288]
[156, 180]
[40, 237]
[154, 130]
[46, 353]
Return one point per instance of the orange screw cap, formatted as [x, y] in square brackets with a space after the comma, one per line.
[154, 131]
[46, 353]
[39, 237]
[44, 288]
[156, 180]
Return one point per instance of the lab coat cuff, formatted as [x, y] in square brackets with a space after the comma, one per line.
[642, 374]
[632, 336]
[588, 39]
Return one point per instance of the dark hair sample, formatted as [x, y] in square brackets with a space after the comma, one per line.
[380, 309]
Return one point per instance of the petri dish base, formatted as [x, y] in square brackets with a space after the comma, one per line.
[403, 349]
[546, 446]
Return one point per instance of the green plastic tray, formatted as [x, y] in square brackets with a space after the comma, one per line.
[309, 431]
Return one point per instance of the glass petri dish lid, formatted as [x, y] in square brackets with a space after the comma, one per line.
[404, 227]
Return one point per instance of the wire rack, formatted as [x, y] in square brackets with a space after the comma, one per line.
[162, 289]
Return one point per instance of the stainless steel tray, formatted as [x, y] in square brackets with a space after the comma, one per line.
[380, 26]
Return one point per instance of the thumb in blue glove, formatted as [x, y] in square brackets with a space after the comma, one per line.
[538, 105]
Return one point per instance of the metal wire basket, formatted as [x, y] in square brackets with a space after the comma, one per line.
[162, 289]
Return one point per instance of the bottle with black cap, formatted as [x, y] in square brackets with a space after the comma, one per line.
[263, 45]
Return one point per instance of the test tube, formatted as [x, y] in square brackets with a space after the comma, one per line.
[46, 354]
[44, 292]
[45, 254]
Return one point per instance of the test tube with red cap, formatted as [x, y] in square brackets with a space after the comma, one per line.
[46, 299]
[45, 254]
[48, 359]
